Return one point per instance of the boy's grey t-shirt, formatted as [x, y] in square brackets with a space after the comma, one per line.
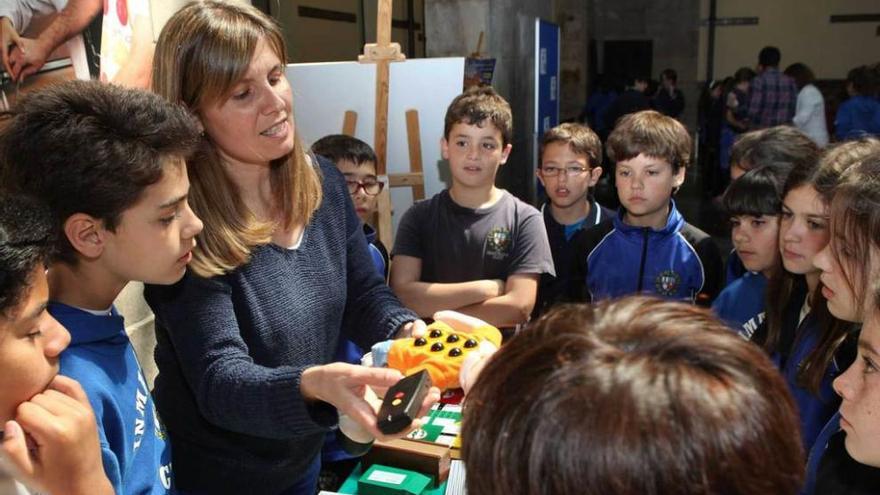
[458, 244]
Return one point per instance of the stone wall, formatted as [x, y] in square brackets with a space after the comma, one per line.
[453, 28]
[672, 25]
[572, 17]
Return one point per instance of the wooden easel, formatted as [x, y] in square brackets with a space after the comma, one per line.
[382, 53]
[414, 179]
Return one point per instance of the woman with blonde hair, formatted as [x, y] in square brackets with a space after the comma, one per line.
[281, 271]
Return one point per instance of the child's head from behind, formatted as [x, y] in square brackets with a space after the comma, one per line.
[850, 182]
[631, 396]
[782, 147]
[357, 162]
[110, 164]
[752, 203]
[859, 81]
[651, 153]
[30, 339]
[476, 136]
[571, 163]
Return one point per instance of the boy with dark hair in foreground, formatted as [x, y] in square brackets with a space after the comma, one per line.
[110, 163]
[49, 437]
[631, 396]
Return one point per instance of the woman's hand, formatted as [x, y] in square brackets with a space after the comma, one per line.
[53, 442]
[344, 386]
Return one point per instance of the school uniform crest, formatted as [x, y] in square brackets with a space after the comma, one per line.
[498, 243]
[667, 283]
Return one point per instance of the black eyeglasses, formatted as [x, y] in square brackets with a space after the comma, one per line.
[552, 171]
[370, 187]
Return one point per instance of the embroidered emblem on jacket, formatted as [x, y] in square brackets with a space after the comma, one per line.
[667, 282]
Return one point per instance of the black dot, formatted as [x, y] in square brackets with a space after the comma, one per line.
[452, 339]
[455, 352]
[470, 343]
[437, 347]
[420, 341]
[436, 333]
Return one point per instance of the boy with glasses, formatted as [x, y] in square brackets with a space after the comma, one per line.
[571, 163]
[357, 162]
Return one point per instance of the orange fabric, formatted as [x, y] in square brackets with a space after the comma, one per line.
[436, 354]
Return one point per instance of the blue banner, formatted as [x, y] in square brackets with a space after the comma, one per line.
[546, 85]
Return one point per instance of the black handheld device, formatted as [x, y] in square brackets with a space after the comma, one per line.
[402, 403]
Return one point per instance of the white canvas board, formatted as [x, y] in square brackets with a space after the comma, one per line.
[322, 92]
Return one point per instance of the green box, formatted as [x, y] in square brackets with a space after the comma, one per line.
[385, 480]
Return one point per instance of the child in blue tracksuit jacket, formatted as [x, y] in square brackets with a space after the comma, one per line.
[799, 332]
[647, 247]
[752, 203]
[111, 165]
[678, 261]
[133, 441]
[845, 459]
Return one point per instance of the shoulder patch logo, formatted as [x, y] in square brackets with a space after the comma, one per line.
[667, 283]
[498, 243]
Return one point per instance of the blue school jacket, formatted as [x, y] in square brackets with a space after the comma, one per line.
[679, 261]
[134, 447]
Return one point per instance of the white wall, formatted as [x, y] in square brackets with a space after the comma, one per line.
[802, 31]
[322, 92]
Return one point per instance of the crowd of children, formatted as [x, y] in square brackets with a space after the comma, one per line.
[268, 284]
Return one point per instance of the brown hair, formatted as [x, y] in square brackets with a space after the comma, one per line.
[475, 106]
[580, 138]
[801, 74]
[202, 52]
[823, 175]
[855, 215]
[781, 147]
[743, 74]
[862, 80]
[637, 396]
[652, 134]
[93, 148]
